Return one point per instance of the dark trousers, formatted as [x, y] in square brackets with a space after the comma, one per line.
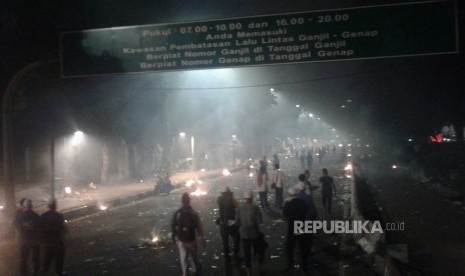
[263, 199]
[54, 251]
[233, 232]
[247, 245]
[304, 242]
[279, 197]
[327, 198]
[29, 248]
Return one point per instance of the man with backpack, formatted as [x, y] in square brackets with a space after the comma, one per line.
[227, 205]
[184, 227]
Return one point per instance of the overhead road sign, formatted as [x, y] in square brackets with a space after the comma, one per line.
[421, 28]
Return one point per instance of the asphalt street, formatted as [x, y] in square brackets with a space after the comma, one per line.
[119, 241]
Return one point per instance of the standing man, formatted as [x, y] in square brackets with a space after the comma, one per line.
[53, 235]
[295, 209]
[227, 206]
[248, 219]
[184, 227]
[262, 186]
[278, 181]
[327, 190]
[27, 223]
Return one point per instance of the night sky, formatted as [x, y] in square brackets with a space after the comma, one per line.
[406, 96]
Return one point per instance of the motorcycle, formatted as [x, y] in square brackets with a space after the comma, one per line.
[163, 185]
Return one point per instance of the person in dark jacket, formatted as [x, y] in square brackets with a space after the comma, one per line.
[53, 230]
[185, 225]
[327, 190]
[27, 223]
[227, 205]
[296, 209]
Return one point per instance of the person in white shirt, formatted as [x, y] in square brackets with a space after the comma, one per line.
[278, 184]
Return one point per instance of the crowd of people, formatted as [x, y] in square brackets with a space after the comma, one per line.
[241, 222]
[40, 238]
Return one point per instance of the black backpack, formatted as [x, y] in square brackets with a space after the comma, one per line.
[185, 225]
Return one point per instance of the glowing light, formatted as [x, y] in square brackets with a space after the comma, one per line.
[343, 106]
[348, 167]
[394, 166]
[155, 239]
[68, 190]
[272, 89]
[1, 207]
[182, 134]
[341, 145]
[349, 176]
[250, 174]
[141, 181]
[349, 155]
[198, 192]
[102, 207]
[226, 172]
[202, 170]
[190, 182]
[410, 140]
[367, 146]
[77, 139]
[297, 105]
[310, 115]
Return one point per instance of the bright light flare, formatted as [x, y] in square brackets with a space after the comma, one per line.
[68, 190]
[349, 155]
[202, 170]
[155, 239]
[102, 207]
[198, 192]
[1, 207]
[190, 182]
[77, 139]
[226, 172]
[348, 167]
[250, 174]
[394, 166]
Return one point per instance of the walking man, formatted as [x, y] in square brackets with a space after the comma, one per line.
[248, 219]
[53, 235]
[295, 209]
[278, 181]
[327, 190]
[227, 206]
[27, 223]
[262, 187]
[184, 227]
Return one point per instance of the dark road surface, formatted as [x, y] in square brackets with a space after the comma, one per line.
[118, 241]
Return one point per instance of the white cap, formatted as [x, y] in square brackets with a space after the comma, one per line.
[248, 194]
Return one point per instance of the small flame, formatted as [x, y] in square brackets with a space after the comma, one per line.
[190, 182]
[226, 172]
[102, 207]
[198, 192]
